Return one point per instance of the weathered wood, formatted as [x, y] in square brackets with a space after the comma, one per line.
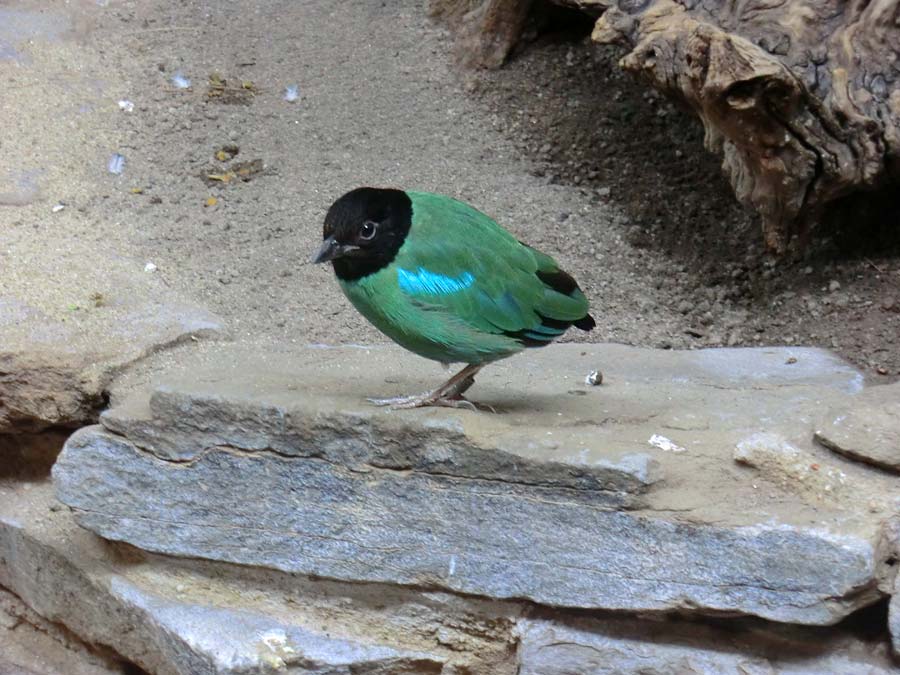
[801, 98]
[486, 31]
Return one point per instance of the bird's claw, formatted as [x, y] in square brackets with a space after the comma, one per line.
[461, 401]
[425, 400]
[448, 395]
[399, 402]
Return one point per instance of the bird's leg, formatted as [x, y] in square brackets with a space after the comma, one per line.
[448, 395]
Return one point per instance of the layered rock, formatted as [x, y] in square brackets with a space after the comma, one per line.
[554, 646]
[624, 496]
[193, 618]
[868, 429]
[54, 372]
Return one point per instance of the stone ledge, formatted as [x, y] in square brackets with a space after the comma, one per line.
[188, 616]
[173, 617]
[58, 379]
[567, 645]
[492, 539]
[273, 459]
[867, 430]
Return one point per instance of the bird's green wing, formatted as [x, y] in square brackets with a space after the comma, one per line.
[458, 262]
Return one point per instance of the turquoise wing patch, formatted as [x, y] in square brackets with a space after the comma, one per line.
[422, 281]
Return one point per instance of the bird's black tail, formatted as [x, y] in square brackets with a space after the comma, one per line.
[562, 282]
[585, 323]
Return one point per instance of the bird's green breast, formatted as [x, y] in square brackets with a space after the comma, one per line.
[435, 335]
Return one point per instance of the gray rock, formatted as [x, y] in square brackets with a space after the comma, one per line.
[889, 550]
[894, 619]
[868, 430]
[811, 477]
[53, 373]
[198, 639]
[630, 647]
[31, 645]
[238, 464]
[179, 426]
[187, 619]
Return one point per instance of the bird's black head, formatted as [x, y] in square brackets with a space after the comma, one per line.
[363, 231]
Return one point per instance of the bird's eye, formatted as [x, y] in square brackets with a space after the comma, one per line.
[367, 230]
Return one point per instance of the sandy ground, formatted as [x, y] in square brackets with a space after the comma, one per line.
[568, 153]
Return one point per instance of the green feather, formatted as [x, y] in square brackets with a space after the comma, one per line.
[461, 285]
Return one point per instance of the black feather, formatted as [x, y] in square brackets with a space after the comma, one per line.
[562, 282]
[559, 281]
[585, 323]
[391, 209]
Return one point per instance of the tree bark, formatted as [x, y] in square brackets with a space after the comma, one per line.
[800, 97]
[486, 30]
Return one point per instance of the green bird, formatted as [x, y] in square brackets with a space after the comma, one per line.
[445, 281]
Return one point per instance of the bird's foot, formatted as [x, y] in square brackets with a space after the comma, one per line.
[429, 399]
[460, 401]
[401, 402]
[448, 395]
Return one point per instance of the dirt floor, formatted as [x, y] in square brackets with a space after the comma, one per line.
[559, 146]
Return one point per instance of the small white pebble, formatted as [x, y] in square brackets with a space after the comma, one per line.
[150, 267]
[58, 207]
[664, 443]
[594, 378]
[116, 164]
[180, 81]
[291, 93]
[126, 105]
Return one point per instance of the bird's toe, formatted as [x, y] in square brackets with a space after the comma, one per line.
[397, 401]
[429, 399]
[462, 402]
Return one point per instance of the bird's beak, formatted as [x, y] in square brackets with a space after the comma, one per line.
[331, 249]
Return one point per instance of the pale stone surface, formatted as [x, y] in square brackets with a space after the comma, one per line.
[889, 550]
[29, 644]
[894, 618]
[272, 459]
[817, 479]
[630, 647]
[200, 639]
[868, 430]
[75, 305]
[54, 370]
[188, 617]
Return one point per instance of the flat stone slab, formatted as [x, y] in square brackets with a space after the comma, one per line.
[867, 430]
[190, 616]
[54, 371]
[180, 617]
[566, 646]
[624, 496]
[31, 645]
